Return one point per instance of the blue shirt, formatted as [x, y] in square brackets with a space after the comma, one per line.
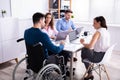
[63, 25]
[35, 35]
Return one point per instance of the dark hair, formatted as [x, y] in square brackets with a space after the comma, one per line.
[68, 11]
[37, 16]
[102, 21]
[51, 24]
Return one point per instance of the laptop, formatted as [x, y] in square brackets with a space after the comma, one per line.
[72, 36]
[78, 31]
[61, 35]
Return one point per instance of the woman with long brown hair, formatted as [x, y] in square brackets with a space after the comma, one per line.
[49, 26]
[100, 42]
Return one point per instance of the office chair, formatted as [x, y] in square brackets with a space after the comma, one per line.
[100, 66]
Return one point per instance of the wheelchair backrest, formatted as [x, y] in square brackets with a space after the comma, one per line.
[36, 56]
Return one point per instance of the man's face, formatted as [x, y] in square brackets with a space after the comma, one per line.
[68, 16]
[42, 21]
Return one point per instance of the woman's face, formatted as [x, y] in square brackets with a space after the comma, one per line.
[48, 18]
[96, 24]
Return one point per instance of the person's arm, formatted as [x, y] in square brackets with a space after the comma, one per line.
[93, 40]
[54, 33]
[50, 46]
[58, 26]
[73, 25]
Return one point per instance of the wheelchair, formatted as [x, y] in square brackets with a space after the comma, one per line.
[36, 67]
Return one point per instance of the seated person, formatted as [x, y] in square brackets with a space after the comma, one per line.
[65, 24]
[49, 26]
[34, 35]
[100, 43]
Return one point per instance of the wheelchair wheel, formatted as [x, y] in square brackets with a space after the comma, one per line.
[50, 72]
[21, 72]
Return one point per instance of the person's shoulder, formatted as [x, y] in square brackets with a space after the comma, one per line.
[71, 20]
[28, 29]
[44, 36]
[102, 29]
[60, 20]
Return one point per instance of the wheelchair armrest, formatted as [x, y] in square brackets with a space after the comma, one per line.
[39, 43]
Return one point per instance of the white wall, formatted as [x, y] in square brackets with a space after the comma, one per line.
[5, 5]
[24, 9]
[80, 9]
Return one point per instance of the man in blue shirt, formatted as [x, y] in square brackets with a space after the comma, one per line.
[65, 24]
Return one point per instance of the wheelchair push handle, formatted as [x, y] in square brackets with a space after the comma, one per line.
[21, 39]
[39, 43]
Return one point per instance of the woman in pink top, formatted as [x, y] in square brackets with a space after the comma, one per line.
[49, 26]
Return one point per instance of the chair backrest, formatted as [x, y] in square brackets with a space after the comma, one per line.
[36, 56]
[107, 55]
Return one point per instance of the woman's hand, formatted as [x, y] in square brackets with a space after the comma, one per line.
[82, 41]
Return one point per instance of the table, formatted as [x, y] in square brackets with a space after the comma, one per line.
[74, 47]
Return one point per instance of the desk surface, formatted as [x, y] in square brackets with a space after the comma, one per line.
[73, 47]
[70, 46]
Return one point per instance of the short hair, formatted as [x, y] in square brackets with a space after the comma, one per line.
[37, 16]
[68, 11]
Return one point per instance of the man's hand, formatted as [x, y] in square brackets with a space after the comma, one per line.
[52, 37]
[62, 42]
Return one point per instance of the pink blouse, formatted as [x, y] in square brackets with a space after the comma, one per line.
[50, 31]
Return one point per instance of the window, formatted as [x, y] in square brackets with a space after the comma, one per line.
[102, 8]
[80, 10]
[86, 10]
[117, 12]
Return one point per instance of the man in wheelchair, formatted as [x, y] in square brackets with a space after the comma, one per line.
[38, 54]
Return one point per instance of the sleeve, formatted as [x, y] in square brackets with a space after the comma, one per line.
[58, 26]
[50, 46]
[73, 25]
[55, 31]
